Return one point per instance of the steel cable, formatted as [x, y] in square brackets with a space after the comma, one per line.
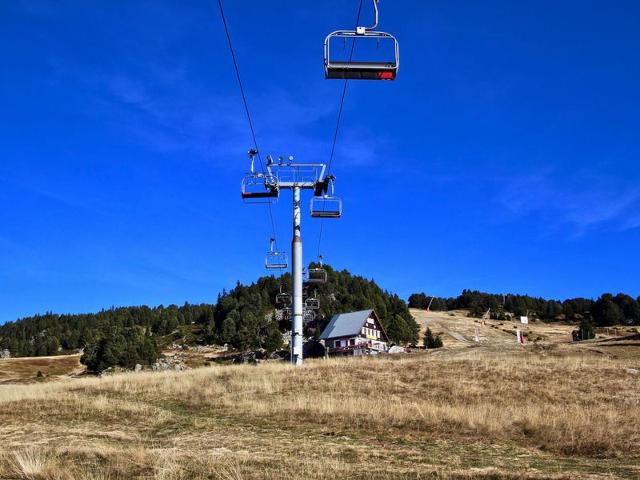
[338, 122]
[246, 105]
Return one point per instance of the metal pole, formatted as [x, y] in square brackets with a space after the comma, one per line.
[296, 275]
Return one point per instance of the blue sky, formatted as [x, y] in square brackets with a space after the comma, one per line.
[504, 158]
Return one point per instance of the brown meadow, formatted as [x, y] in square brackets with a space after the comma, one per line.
[470, 413]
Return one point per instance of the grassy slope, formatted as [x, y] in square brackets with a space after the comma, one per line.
[491, 411]
[25, 369]
[493, 332]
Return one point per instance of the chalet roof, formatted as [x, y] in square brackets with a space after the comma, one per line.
[346, 324]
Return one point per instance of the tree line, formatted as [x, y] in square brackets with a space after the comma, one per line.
[50, 333]
[242, 318]
[606, 310]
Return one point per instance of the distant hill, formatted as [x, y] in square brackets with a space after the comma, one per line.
[607, 310]
[242, 318]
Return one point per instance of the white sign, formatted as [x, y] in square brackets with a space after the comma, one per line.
[524, 320]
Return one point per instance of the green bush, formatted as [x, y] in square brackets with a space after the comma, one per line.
[431, 341]
[120, 347]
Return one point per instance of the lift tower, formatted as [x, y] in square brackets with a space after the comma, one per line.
[287, 175]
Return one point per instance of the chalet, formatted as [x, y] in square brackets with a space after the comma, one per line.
[355, 333]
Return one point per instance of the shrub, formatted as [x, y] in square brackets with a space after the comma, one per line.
[431, 341]
[123, 348]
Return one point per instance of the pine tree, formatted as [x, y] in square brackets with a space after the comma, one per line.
[430, 341]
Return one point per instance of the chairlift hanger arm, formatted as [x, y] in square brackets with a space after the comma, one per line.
[252, 154]
[362, 30]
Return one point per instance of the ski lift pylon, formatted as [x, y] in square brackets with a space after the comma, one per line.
[362, 70]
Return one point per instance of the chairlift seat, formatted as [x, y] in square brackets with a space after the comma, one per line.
[325, 214]
[267, 194]
[361, 71]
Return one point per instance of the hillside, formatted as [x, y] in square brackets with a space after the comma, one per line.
[242, 318]
[457, 413]
[605, 311]
[458, 329]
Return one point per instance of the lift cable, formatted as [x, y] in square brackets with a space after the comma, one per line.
[246, 104]
[344, 94]
[338, 120]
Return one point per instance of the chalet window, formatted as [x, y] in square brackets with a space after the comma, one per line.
[336, 343]
[352, 341]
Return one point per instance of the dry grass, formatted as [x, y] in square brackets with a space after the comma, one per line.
[25, 369]
[474, 413]
[458, 330]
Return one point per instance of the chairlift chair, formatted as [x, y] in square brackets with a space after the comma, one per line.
[283, 299]
[283, 314]
[317, 275]
[312, 303]
[258, 187]
[326, 207]
[359, 70]
[275, 260]
[308, 316]
[324, 204]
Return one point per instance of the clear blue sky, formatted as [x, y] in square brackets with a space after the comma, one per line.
[504, 158]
